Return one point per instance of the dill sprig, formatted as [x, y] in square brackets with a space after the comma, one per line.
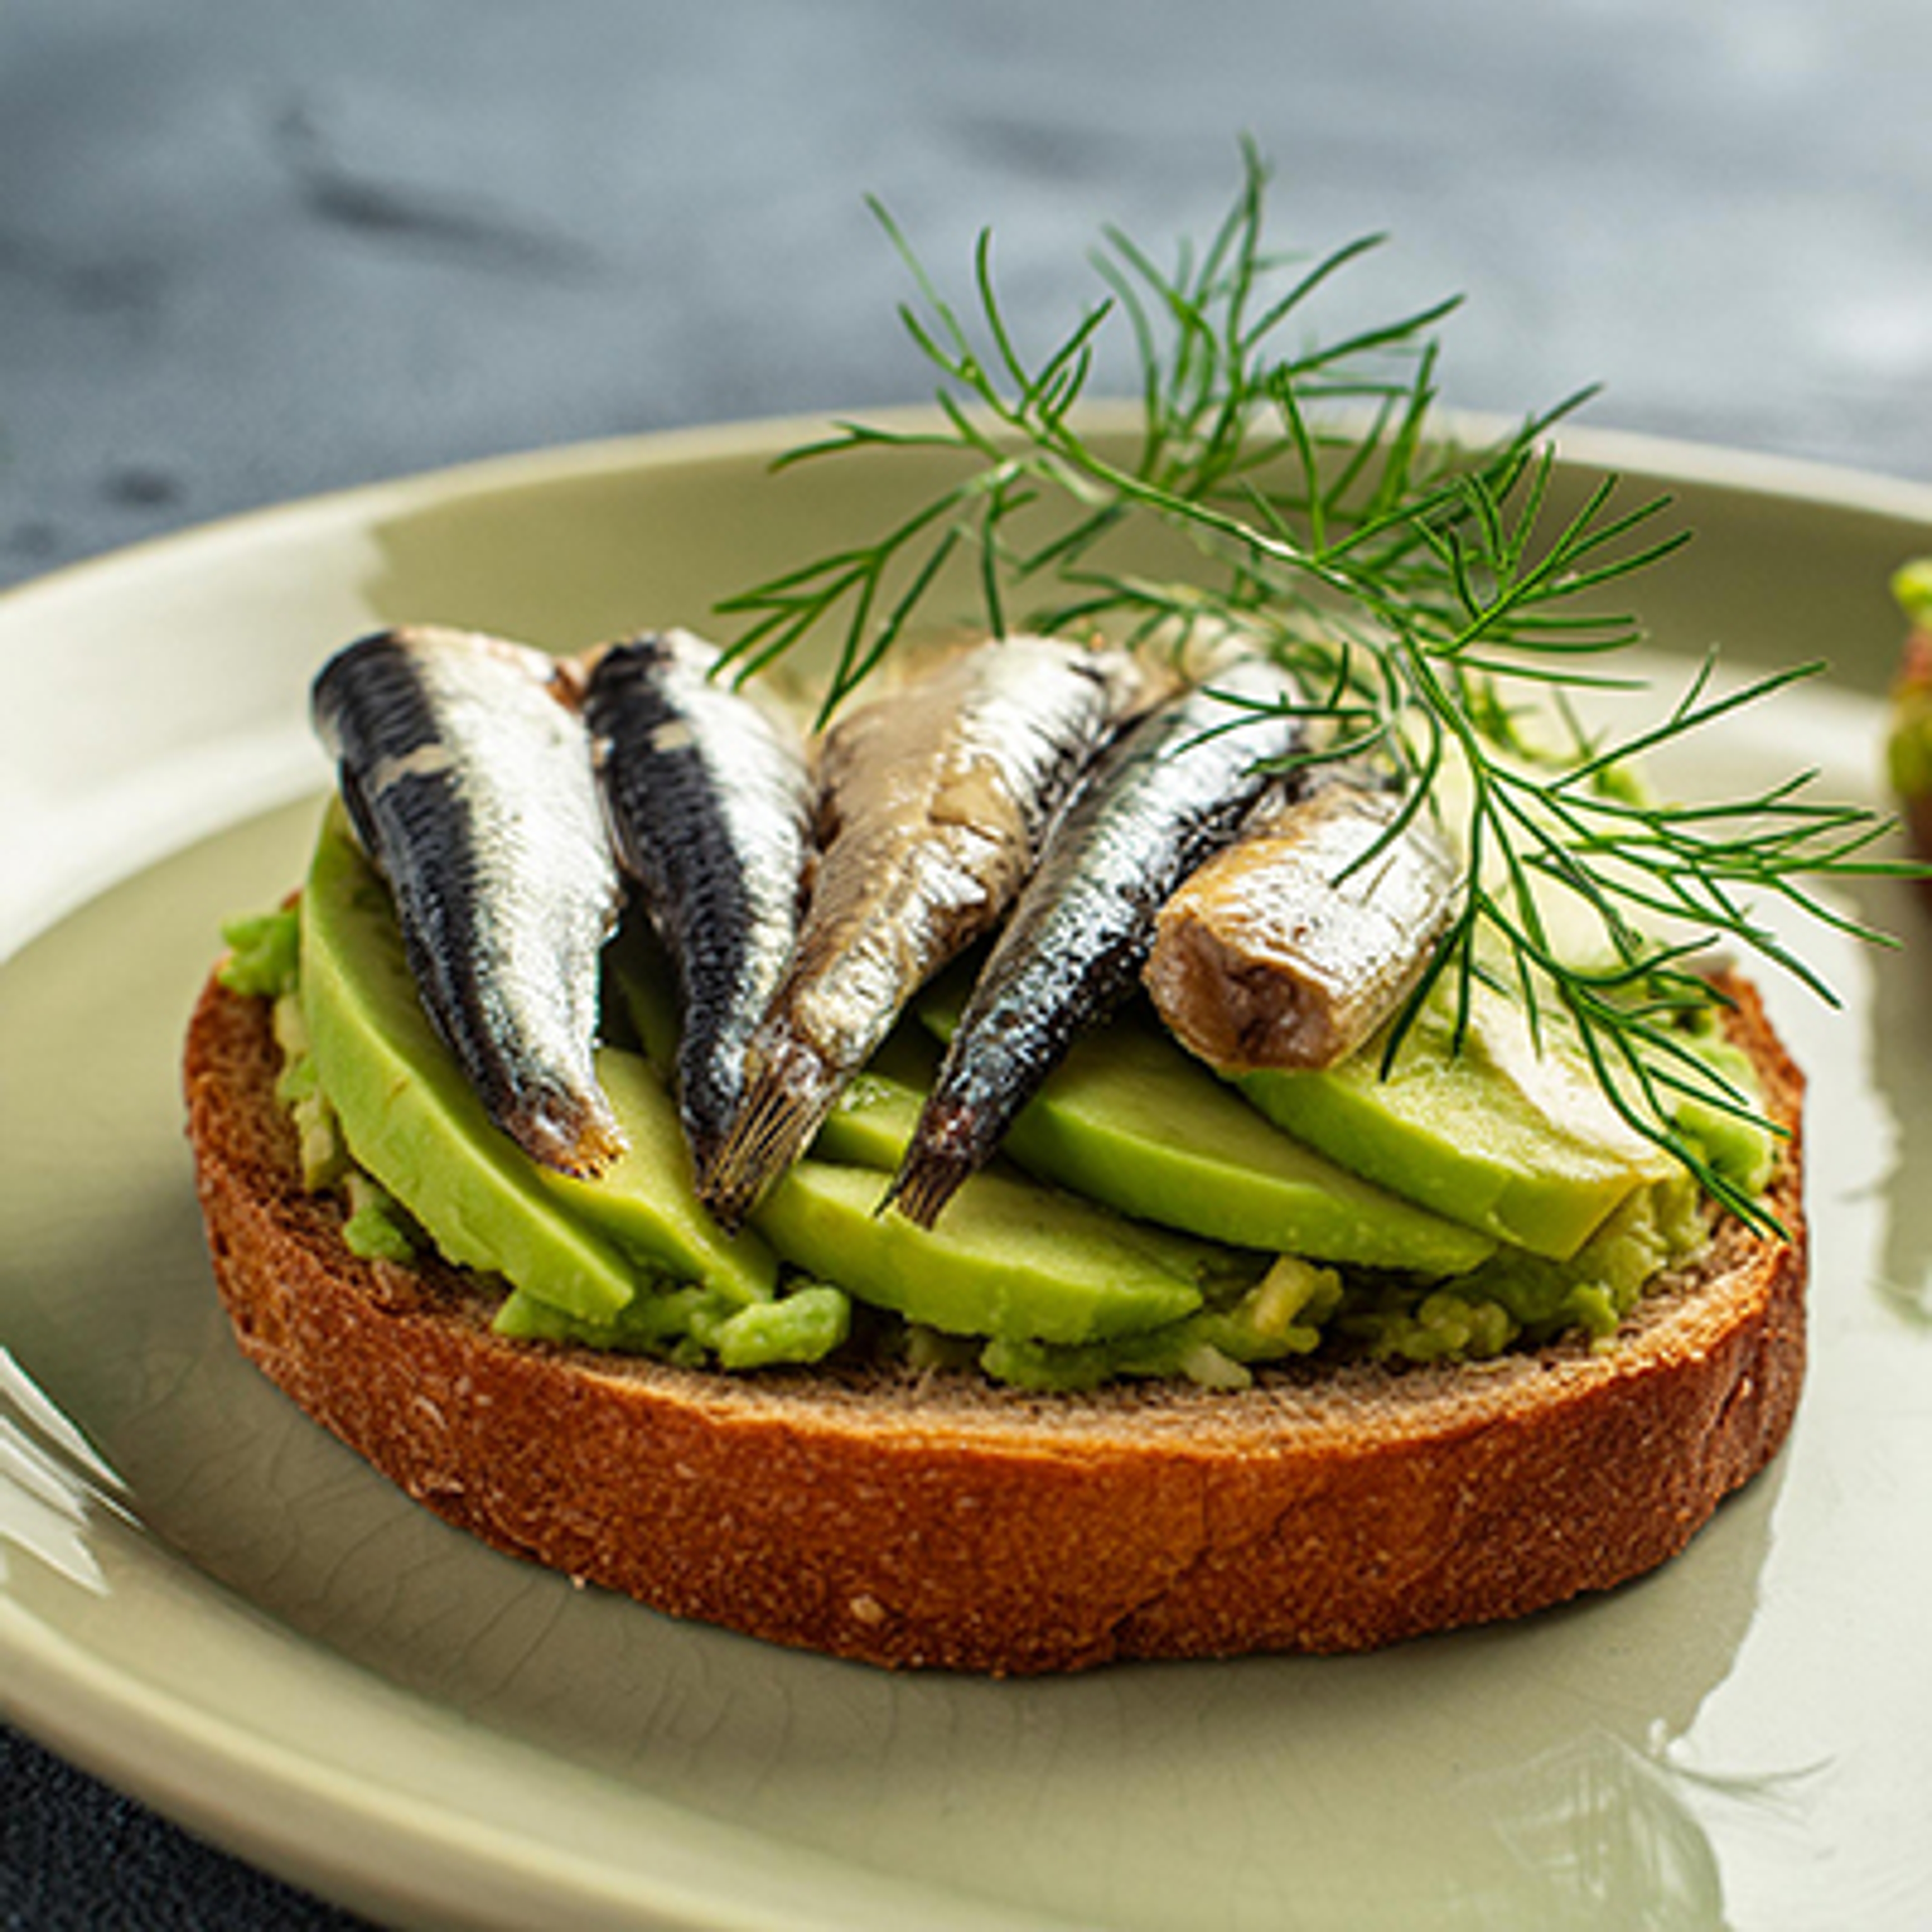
[1438, 604]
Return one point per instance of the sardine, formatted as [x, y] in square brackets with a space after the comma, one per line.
[467, 772]
[1290, 947]
[709, 802]
[933, 802]
[1169, 791]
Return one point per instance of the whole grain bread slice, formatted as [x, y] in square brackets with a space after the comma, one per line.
[932, 1519]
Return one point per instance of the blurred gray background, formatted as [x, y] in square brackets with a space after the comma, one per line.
[249, 251]
[253, 250]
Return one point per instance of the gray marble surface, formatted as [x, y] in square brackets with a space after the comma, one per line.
[249, 251]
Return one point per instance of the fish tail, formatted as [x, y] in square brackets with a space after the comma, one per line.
[575, 1133]
[788, 1092]
[706, 1103]
[947, 1151]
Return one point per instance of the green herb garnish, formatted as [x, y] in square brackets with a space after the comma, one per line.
[1433, 598]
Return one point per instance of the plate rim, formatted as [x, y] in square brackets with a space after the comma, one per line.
[1763, 473]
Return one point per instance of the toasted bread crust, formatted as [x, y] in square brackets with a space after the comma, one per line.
[938, 1521]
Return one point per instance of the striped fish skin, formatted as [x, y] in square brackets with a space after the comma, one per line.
[709, 802]
[932, 804]
[1169, 791]
[1291, 947]
[467, 772]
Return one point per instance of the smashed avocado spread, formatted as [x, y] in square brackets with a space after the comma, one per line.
[1247, 1245]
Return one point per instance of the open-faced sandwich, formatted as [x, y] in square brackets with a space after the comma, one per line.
[1106, 1144]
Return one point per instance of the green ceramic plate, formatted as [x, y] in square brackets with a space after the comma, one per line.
[206, 1600]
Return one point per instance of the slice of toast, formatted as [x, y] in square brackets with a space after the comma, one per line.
[910, 1518]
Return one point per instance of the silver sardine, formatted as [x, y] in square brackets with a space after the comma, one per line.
[1169, 791]
[1290, 947]
[710, 802]
[933, 802]
[467, 771]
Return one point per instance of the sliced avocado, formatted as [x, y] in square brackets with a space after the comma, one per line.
[871, 1125]
[1506, 1138]
[643, 1200]
[1009, 1259]
[411, 1120]
[1129, 1119]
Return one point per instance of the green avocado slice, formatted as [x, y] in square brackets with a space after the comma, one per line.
[871, 1125]
[1497, 1135]
[644, 1201]
[1130, 1119]
[410, 1119]
[1010, 1259]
